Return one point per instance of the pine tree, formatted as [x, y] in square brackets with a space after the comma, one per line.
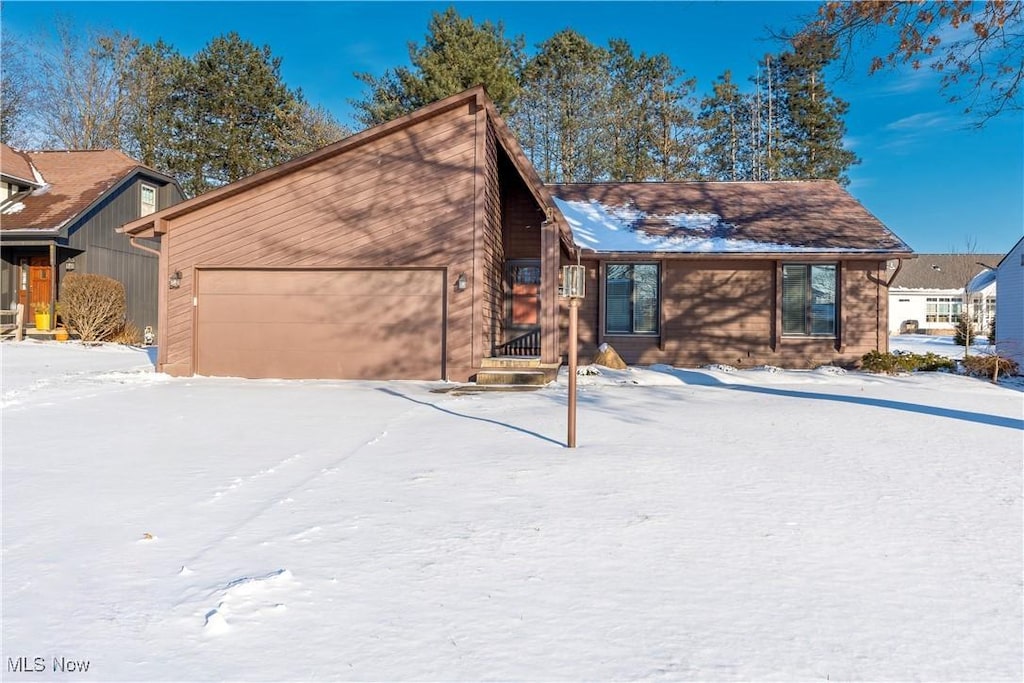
[724, 124]
[457, 54]
[565, 101]
[812, 126]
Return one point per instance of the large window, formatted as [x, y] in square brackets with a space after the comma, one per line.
[942, 309]
[631, 298]
[809, 299]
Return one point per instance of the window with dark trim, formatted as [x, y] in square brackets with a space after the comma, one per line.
[631, 298]
[809, 299]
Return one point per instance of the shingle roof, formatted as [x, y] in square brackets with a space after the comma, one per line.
[734, 217]
[14, 165]
[74, 180]
[941, 271]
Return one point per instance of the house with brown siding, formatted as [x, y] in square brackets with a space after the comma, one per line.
[59, 212]
[790, 273]
[428, 248]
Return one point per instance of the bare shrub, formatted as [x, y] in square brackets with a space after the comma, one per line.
[128, 335]
[92, 306]
[989, 365]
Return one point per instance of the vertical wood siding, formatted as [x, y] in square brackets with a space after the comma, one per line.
[406, 199]
[494, 253]
[108, 252]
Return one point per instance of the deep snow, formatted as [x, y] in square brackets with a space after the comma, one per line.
[712, 525]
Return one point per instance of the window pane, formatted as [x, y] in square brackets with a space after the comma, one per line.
[645, 298]
[823, 300]
[794, 299]
[617, 316]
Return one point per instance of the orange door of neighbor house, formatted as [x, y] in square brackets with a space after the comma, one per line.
[35, 284]
[524, 278]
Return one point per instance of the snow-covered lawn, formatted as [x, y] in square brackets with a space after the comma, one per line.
[712, 525]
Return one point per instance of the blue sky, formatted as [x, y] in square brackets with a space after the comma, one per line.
[925, 171]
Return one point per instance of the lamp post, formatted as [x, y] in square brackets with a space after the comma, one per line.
[573, 287]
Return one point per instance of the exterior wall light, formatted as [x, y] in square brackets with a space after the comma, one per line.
[175, 280]
[460, 283]
[69, 265]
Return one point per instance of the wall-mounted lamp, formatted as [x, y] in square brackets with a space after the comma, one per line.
[460, 283]
[69, 265]
[175, 280]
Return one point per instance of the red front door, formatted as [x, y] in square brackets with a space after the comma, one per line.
[524, 279]
[35, 283]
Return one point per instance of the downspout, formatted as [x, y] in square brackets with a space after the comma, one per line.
[143, 247]
[878, 324]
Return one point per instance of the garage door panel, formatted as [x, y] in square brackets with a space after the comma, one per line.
[367, 324]
[318, 282]
[334, 308]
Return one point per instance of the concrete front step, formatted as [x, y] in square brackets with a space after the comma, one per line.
[516, 376]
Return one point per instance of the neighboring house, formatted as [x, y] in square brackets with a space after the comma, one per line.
[428, 248]
[1010, 305]
[59, 211]
[927, 293]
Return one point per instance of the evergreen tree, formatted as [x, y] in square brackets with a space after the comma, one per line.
[812, 126]
[457, 54]
[154, 82]
[724, 123]
[565, 86]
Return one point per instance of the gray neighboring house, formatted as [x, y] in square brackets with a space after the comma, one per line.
[59, 211]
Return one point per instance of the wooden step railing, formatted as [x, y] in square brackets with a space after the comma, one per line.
[526, 344]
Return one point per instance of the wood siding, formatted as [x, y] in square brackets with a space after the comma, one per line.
[108, 252]
[493, 308]
[405, 199]
[727, 312]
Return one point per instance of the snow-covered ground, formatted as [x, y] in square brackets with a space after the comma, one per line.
[942, 345]
[712, 525]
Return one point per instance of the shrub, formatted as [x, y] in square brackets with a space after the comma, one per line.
[128, 335]
[890, 363]
[992, 331]
[989, 366]
[964, 331]
[92, 306]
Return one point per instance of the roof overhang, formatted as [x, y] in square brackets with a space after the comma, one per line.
[743, 255]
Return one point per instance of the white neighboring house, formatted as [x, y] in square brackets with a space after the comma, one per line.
[1010, 307]
[927, 295]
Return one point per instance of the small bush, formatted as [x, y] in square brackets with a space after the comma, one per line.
[989, 366]
[891, 363]
[128, 335]
[92, 306]
[992, 331]
[964, 335]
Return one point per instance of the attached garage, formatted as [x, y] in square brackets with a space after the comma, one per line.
[294, 323]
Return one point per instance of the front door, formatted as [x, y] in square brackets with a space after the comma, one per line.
[524, 286]
[35, 283]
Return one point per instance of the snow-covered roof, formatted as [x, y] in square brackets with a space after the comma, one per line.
[982, 281]
[710, 217]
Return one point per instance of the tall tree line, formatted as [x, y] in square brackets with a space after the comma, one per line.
[209, 119]
[586, 112]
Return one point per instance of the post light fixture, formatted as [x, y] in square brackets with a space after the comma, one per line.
[460, 282]
[574, 282]
[175, 280]
[69, 265]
